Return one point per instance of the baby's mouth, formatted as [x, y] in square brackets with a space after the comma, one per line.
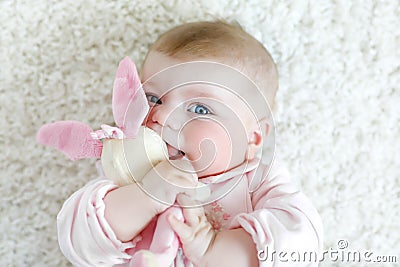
[174, 153]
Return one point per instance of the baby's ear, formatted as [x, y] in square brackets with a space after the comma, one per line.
[255, 143]
[256, 137]
[129, 101]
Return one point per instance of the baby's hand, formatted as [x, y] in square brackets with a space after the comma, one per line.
[169, 178]
[196, 233]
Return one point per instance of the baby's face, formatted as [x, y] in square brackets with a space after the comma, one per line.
[201, 122]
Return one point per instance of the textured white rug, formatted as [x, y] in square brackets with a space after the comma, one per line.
[337, 121]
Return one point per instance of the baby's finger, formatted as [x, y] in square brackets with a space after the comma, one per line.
[186, 201]
[191, 213]
[181, 229]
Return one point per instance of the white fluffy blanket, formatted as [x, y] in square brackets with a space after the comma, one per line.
[337, 120]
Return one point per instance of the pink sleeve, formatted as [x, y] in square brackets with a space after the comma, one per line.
[84, 235]
[284, 220]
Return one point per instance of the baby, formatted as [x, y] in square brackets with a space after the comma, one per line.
[198, 79]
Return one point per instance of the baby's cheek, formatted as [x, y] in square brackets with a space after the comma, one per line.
[208, 145]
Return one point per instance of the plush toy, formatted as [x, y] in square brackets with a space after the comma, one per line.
[127, 153]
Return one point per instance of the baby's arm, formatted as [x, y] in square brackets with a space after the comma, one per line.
[124, 204]
[84, 235]
[129, 209]
[88, 228]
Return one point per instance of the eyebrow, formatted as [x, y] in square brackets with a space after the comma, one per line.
[204, 95]
[145, 83]
[208, 94]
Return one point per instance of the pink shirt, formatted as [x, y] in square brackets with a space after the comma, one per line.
[273, 211]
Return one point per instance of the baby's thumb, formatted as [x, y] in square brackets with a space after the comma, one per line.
[179, 227]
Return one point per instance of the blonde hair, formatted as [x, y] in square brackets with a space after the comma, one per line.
[224, 41]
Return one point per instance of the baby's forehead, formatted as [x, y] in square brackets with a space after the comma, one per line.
[215, 76]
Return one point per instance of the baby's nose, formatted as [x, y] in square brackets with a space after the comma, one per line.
[165, 116]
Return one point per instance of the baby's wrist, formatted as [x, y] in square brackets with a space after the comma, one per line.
[157, 205]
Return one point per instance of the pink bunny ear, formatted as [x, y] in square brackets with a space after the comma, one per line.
[70, 137]
[129, 102]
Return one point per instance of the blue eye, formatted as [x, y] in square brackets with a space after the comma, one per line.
[199, 109]
[153, 99]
